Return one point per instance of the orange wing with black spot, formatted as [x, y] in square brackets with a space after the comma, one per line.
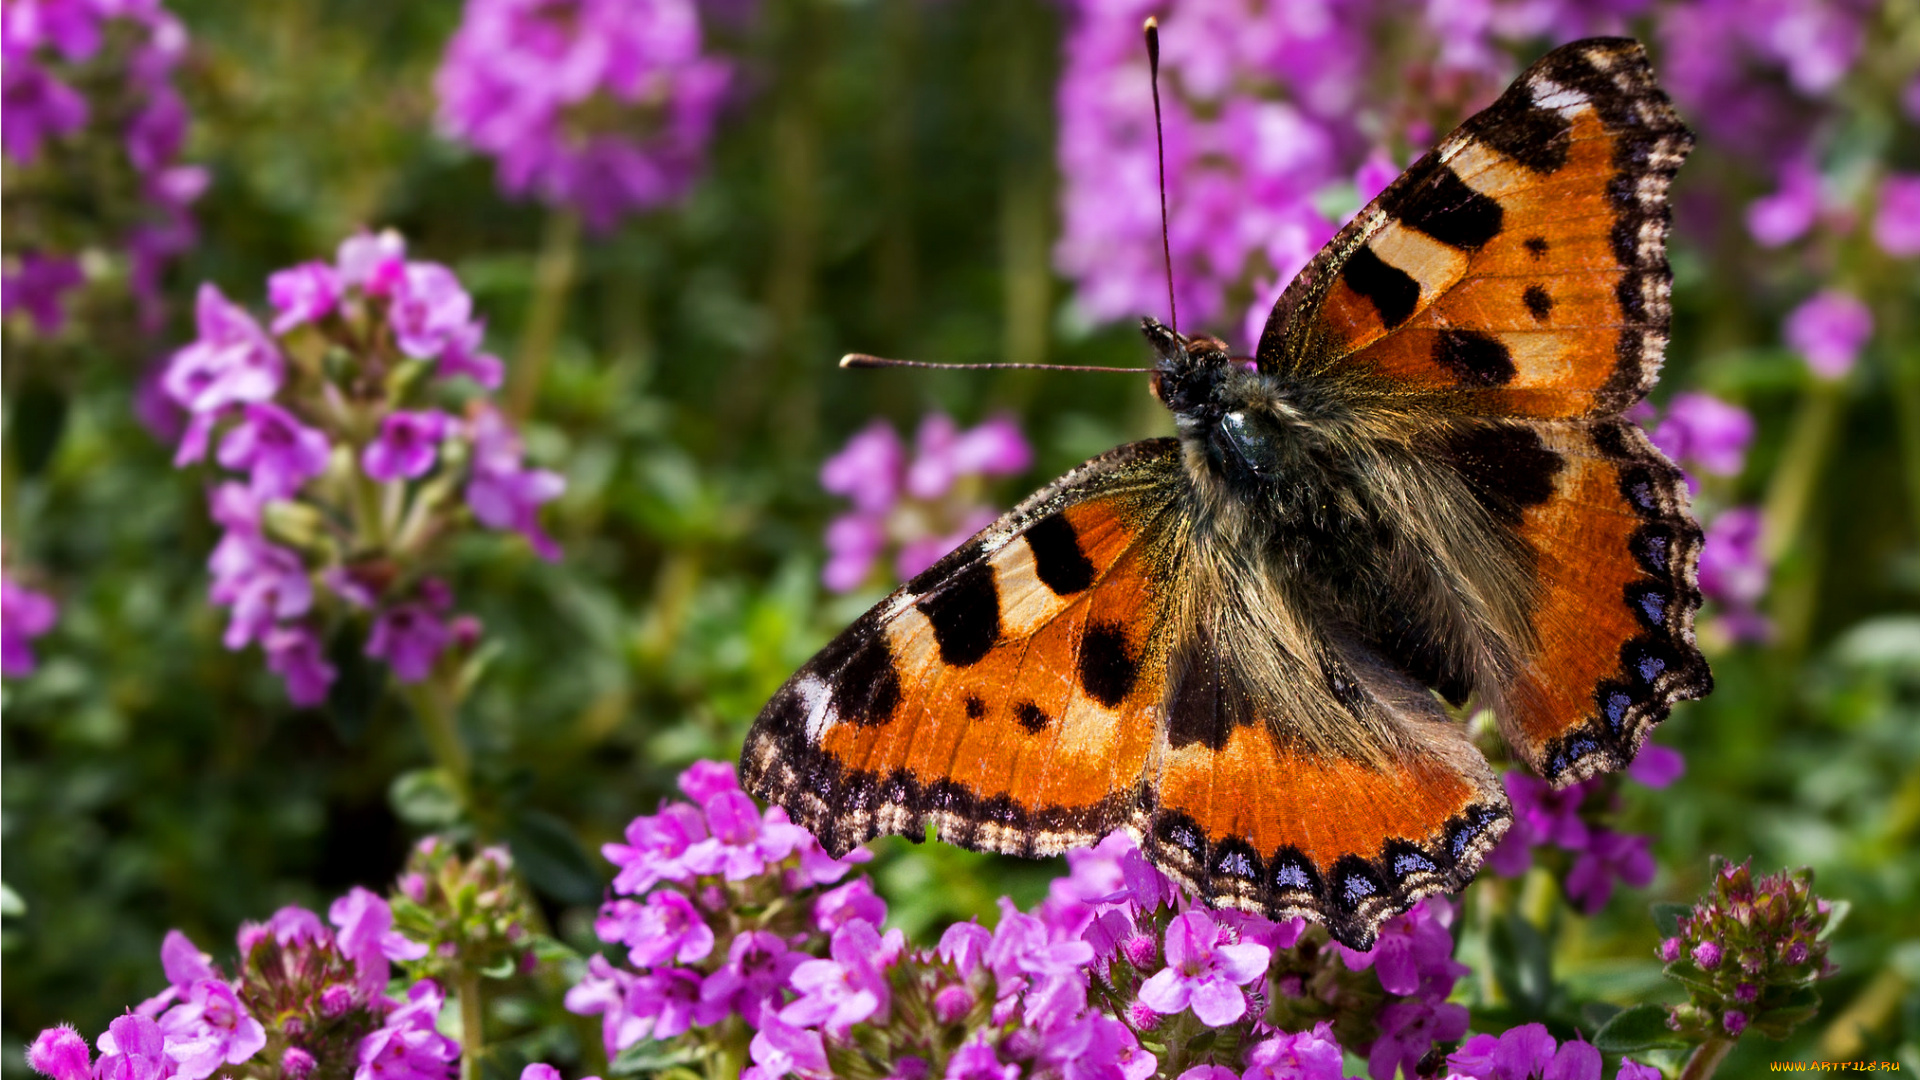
[1043, 685]
[1517, 270]
[1513, 285]
[1007, 696]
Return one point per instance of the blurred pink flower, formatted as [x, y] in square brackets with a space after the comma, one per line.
[1829, 330]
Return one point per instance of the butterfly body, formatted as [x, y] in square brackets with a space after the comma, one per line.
[1248, 644]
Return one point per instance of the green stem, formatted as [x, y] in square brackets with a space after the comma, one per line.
[1706, 1058]
[472, 1026]
[1906, 404]
[436, 701]
[552, 280]
[1800, 467]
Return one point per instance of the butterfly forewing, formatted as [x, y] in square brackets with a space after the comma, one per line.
[1008, 695]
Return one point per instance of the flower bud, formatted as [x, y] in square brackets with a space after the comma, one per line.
[1735, 1021]
[1671, 950]
[296, 1064]
[1140, 950]
[335, 1000]
[1747, 993]
[952, 1004]
[1707, 955]
[1141, 1018]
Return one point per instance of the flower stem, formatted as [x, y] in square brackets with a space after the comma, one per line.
[1706, 1058]
[1789, 498]
[472, 1026]
[436, 701]
[552, 280]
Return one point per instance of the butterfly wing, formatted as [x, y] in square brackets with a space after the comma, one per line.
[1518, 269]
[1072, 670]
[1510, 292]
[1007, 696]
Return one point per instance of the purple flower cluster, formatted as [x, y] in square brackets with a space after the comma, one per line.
[25, 614]
[308, 995]
[728, 913]
[923, 507]
[72, 68]
[1270, 124]
[602, 105]
[351, 472]
[1829, 330]
[1568, 820]
[1528, 1052]
[1748, 953]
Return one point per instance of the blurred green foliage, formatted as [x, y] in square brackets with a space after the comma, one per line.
[883, 185]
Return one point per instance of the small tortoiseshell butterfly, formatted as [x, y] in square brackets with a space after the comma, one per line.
[1239, 645]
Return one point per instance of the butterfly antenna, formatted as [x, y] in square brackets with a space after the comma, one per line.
[1152, 30]
[862, 360]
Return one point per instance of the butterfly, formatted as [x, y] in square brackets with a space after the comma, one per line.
[1250, 645]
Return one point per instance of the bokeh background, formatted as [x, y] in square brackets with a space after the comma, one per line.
[938, 179]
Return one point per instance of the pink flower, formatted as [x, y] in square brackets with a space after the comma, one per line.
[604, 990]
[61, 1053]
[1203, 972]
[1896, 224]
[408, 1047]
[367, 937]
[232, 361]
[462, 356]
[656, 849]
[1706, 431]
[133, 1049]
[1656, 766]
[24, 615]
[503, 494]
[868, 469]
[1787, 214]
[295, 654]
[782, 1049]
[37, 288]
[280, 452]
[854, 900]
[1610, 855]
[430, 309]
[365, 258]
[849, 988]
[210, 1028]
[301, 294]
[410, 637]
[1410, 947]
[758, 968]
[665, 1000]
[976, 1060]
[1829, 330]
[261, 582]
[944, 453]
[854, 542]
[667, 929]
[407, 445]
[1303, 1055]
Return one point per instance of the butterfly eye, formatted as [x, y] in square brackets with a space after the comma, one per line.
[1251, 441]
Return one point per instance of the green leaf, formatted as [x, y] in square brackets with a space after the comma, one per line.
[1642, 1027]
[1835, 916]
[425, 798]
[1667, 918]
[504, 969]
[11, 906]
[1522, 964]
[648, 1056]
[39, 417]
[545, 849]
[1596, 1014]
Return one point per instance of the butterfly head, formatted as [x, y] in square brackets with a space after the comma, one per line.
[1240, 422]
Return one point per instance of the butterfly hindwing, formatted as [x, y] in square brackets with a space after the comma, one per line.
[1613, 645]
[1007, 696]
[1519, 269]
